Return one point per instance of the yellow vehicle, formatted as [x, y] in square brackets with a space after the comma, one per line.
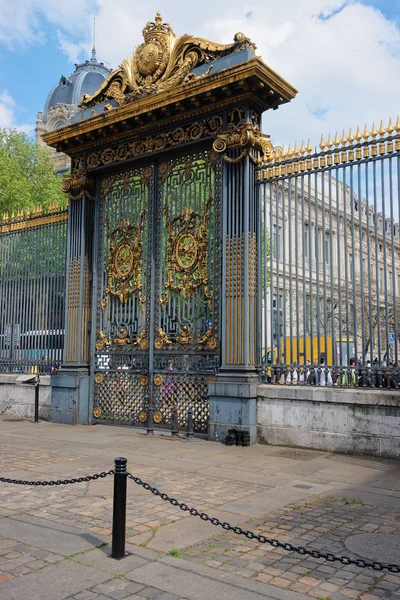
[336, 351]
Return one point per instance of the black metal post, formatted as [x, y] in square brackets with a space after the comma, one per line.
[174, 422]
[189, 431]
[119, 509]
[37, 399]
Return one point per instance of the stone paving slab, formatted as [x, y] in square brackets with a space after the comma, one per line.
[53, 583]
[53, 537]
[262, 503]
[178, 580]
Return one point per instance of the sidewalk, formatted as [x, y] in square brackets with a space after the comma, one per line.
[55, 541]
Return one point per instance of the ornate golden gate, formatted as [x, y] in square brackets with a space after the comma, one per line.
[158, 268]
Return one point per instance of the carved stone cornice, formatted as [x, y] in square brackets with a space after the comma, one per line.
[161, 63]
[78, 184]
[248, 137]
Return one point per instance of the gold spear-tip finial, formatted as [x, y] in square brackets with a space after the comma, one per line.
[322, 142]
[390, 128]
[329, 143]
[351, 137]
[343, 141]
[397, 126]
[309, 147]
[302, 148]
[374, 132]
[381, 130]
[358, 135]
[365, 135]
[336, 141]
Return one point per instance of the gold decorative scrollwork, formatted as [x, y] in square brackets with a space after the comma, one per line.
[142, 341]
[162, 339]
[187, 253]
[77, 184]
[247, 136]
[181, 135]
[102, 341]
[162, 62]
[122, 339]
[184, 337]
[125, 258]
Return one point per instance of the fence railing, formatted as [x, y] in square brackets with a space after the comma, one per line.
[329, 268]
[32, 291]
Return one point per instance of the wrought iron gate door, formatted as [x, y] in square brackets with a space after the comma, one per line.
[158, 281]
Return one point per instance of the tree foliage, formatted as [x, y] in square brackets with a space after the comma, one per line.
[27, 174]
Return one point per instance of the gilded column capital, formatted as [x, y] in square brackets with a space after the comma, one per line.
[246, 136]
[78, 184]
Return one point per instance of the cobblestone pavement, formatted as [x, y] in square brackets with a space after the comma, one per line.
[251, 479]
[321, 523]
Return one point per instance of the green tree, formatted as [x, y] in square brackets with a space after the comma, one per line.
[27, 174]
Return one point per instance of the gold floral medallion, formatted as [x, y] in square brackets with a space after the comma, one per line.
[97, 412]
[157, 379]
[212, 343]
[98, 378]
[142, 416]
[144, 344]
[144, 380]
[157, 417]
[186, 251]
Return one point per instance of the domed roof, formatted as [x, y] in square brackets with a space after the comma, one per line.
[86, 79]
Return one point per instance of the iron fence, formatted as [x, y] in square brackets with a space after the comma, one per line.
[32, 287]
[329, 268]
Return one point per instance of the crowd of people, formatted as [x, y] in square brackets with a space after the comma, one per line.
[379, 374]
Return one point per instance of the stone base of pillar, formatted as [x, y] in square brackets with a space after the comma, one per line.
[70, 396]
[233, 403]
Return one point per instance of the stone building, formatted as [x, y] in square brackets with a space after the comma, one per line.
[62, 102]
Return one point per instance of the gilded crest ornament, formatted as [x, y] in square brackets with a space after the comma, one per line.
[162, 62]
[102, 341]
[125, 260]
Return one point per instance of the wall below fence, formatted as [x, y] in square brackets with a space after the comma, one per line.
[337, 420]
[17, 399]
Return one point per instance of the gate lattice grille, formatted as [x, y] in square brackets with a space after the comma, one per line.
[137, 357]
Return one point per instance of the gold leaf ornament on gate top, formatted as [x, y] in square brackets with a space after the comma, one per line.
[125, 257]
[160, 63]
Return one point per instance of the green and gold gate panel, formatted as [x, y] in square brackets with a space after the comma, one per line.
[157, 314]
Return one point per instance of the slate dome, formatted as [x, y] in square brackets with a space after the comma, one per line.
[86, 79]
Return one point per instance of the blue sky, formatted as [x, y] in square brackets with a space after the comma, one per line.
[343, 56]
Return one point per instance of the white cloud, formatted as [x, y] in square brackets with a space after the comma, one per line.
[342, 55]
[8, 109]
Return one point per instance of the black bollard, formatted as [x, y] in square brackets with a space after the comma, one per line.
[37, 399]
[150, 421]
[189, 431]
[119, 509]
[174, 422]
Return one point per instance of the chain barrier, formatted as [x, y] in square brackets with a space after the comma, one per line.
[58, 481]
[250, 535]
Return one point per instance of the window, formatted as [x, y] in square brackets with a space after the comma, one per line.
[381, 278]
[350, 263]
[327, 247]
[277, 242]
[306, 242]
[390, 281]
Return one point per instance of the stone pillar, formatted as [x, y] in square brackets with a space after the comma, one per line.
[233, 393]
[70, 387]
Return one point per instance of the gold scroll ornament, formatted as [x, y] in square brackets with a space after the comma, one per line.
[187, 253]
[162, 62]
[125, 259]
[248, 137]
